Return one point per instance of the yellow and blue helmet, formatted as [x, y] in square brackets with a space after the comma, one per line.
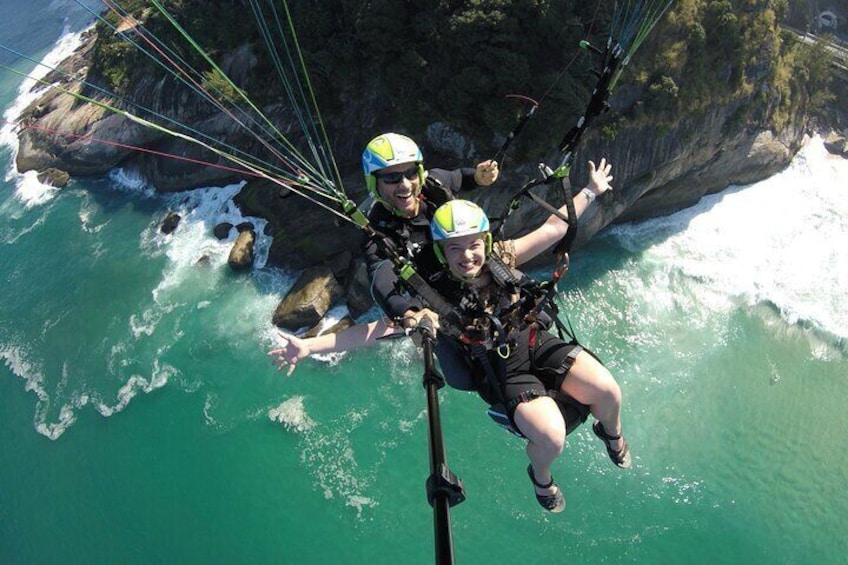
[458, 218]
[386, 150]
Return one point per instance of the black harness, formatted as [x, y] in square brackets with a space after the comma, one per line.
[489, 336]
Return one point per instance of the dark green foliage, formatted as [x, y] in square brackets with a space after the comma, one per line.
[218, 27]
[663, 94]
[402, 64]
[730, 52]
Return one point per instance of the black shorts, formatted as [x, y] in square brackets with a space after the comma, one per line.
[530, 371]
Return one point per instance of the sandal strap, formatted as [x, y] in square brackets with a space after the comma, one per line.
[602, 432]
[618, 456]
[621, 454]
[533, 478]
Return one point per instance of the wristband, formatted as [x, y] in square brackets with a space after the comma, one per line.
[590, 196]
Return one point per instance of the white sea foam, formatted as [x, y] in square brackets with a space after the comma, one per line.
[193, 245]
[145, 324]
[331, 458]
[55, 429]
[779, 241]
[131, 181]
[87, 212]
[292, 415]
[19, 362]
[53, 424]
[30, 192]
[162, 373]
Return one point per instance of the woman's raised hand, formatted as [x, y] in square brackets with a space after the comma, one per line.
[291, 350]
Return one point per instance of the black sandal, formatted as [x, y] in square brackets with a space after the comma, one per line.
[550, 502]
[621, 457]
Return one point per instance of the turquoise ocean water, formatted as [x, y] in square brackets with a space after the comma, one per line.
[142, 421]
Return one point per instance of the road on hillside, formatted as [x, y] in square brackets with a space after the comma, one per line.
[836, 46]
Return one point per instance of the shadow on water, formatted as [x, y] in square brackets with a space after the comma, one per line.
[110, 199]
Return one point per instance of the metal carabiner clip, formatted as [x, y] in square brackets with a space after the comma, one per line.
[503, 350]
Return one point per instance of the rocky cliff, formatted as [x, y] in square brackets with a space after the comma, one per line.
[659, 167]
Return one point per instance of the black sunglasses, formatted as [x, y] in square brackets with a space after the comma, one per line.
[394, 178]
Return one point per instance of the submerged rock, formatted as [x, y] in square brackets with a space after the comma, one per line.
[222, 230]
[54, 177]
[170, 223]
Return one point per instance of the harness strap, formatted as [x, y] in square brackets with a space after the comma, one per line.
[407, 275]
[495, 376]
[501, 273]
[531, 339]
[525, 396]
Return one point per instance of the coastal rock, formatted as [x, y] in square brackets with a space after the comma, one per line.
[170, 223]
[303, 234]
[309, 299]
[358, 290]
[659, 168]
[656, 175]
[447, 141]
[222, 230]
[340, 264]
[837, 144]
[54, 177]
[242, 254]
[39, 150]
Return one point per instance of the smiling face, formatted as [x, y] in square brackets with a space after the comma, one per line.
[399, 187]
[465, 255]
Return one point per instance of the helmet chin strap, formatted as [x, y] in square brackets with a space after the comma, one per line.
[468, 281]
[398, 213]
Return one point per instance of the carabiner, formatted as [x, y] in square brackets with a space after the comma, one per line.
[503, 350]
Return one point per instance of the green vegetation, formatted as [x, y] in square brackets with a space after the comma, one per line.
[407, 64]
[119, 65]
[715, 53]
